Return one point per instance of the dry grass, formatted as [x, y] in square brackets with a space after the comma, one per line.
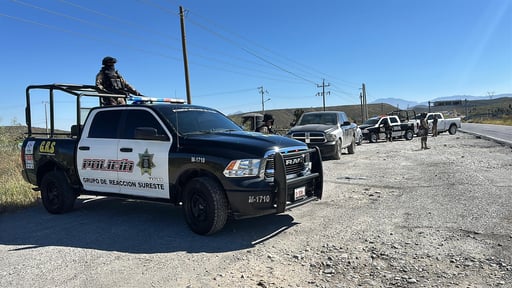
[15, 193]
[505, 120]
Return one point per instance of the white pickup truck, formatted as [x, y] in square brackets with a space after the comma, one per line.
[443, 124]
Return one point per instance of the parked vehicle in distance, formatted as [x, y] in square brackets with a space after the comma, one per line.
[405, 116]
[373, 128]
[187, 155]
[331, 131]
[443, 124]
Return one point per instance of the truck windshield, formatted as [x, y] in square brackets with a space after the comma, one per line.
[372, 121]
[317, 118]
[197, 120]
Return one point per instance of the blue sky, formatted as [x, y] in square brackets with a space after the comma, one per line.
[414, 50]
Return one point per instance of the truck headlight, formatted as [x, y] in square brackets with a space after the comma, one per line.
[243, 168]
[330, 137]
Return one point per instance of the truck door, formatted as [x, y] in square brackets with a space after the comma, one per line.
[97, 152]
[145, 144]
[347, 133]
[395, 126]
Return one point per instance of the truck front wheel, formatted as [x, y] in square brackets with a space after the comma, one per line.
[338, 150]
[57, 194]
[205, 206]
[373, 137]
[409, 134]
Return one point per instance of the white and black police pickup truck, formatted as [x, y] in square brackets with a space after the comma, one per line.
[177, 153]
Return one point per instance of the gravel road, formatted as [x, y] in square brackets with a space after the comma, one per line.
[392, 216]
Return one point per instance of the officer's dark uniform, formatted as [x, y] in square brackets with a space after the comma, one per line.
[388, 129]
[110, 81]
[266, 127]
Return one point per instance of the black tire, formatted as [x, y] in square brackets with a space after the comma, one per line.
[453, 129]
[360, 140]
[409, 134]
[337, 150]
[352, 148]
[57, 194]
[373, 137]
[205, 206]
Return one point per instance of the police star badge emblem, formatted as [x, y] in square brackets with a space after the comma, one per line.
[146, 162]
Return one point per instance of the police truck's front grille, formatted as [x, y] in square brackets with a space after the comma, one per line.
[309, 137]
[295, 164]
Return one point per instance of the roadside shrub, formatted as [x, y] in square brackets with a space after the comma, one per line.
[14, 191]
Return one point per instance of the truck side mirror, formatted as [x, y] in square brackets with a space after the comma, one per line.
[76, 130]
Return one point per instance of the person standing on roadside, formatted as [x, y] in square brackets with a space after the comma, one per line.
[434, 125]
[388, 130]
[266, 127]
[110, 81]
[423, 131]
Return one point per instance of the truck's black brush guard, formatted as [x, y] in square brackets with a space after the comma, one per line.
[282, 183]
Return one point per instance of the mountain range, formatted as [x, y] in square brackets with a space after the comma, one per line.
[404, 104]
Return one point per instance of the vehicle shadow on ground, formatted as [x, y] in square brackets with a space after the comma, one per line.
[112, 224]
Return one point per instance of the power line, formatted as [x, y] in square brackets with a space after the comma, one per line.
[105, 15]
[98, 25]
[101, 40]
[225, 92]
[307, 68]
[102, 27]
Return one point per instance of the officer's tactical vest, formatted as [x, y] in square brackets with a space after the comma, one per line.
[113, 84]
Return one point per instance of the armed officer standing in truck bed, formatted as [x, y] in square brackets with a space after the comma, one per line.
[110, 81]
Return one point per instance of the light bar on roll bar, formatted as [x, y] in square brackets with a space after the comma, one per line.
[145, 99]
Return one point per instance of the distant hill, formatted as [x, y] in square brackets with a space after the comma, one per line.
[16, 133]
[496, 107]
[404, 104]
[471, 98]
[396, 102]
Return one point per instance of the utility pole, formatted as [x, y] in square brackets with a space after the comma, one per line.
[263, 92]
[466, 108]
[323, 90]
[365, 104]
[185, 58]
[362, 109]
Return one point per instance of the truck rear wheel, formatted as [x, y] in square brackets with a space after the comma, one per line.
[352, 148]
[205, 206]
[453, 129]
[57, 194]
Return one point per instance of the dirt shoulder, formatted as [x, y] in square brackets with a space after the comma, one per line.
[392, 216]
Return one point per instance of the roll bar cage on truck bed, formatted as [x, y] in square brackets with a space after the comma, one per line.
[78, 91]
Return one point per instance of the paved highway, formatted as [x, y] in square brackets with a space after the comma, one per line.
[499, 133]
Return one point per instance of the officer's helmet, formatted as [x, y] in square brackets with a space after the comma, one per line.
[108, 60]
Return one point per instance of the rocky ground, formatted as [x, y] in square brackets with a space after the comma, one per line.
[392, 216]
